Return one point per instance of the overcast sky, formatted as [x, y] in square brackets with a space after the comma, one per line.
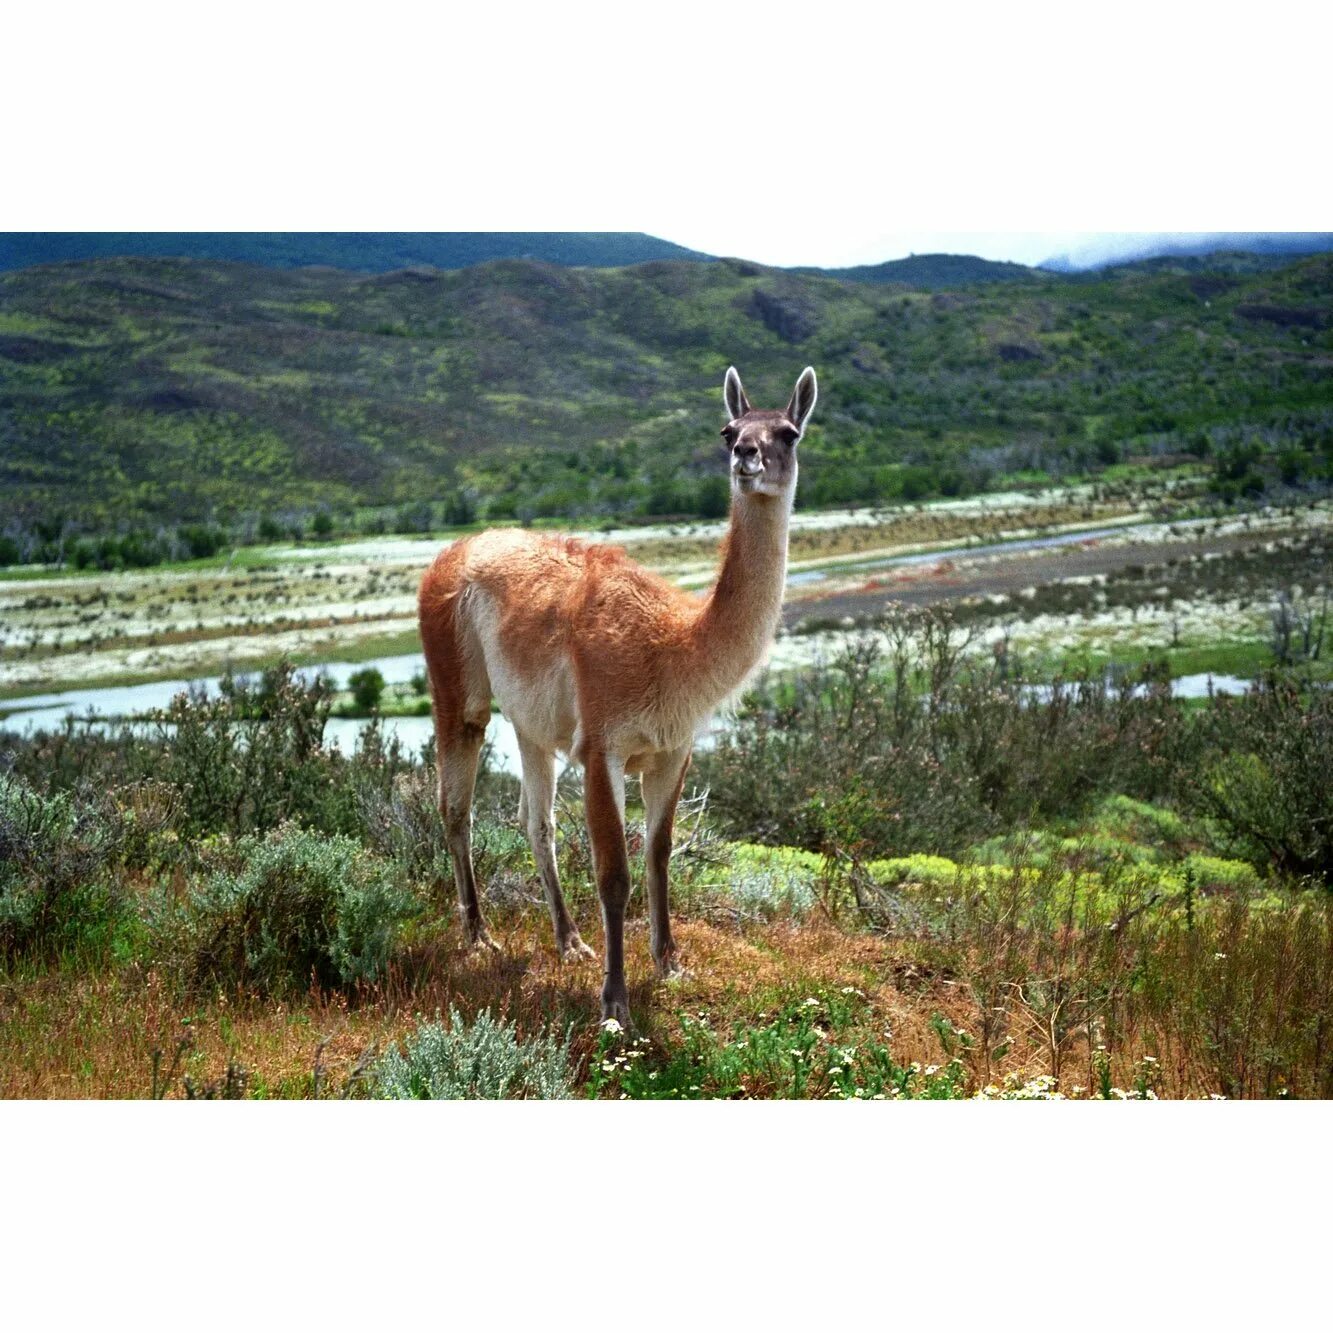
[787, 139]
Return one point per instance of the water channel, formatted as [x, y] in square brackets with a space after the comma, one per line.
[104, 705]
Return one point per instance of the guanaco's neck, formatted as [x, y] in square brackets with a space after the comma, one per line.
[740, 616]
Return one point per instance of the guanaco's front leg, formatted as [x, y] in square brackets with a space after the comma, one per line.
[661, 793]
[604, 796]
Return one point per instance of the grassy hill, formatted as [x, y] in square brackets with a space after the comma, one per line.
[1229, 263]
[932, 272]
[155, 391]
[362, 251]
[1281, 246]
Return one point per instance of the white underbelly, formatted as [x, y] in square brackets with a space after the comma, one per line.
[542, 705]
[540, 700]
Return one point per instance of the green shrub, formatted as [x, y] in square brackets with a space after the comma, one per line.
[242, 761]
[1142, 822]
[770, 882]
[404, 824]
[1099, 849]
[251, 756]
[1212, 874]
[200, 540]
[57, 855]
[254, 757]
[936, 870]
[294, 907]
[788, 861]
[1264, 778]
[904, 745]
[367, 685]
[481, 1060]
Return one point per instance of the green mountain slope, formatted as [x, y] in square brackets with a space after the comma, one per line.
[933, 272]
[361, 251]
[155, 391]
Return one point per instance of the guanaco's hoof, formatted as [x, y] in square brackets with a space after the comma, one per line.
[669, 967]
[616, 1011]
[575, 951]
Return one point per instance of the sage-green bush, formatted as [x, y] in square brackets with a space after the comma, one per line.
[482, 1060]
[293, 907]
[56, 853]
[771, 882]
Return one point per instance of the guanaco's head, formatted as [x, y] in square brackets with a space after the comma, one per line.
[763, 444]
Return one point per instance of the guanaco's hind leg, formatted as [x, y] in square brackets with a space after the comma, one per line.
[456, 757]
[662, 784]
[604, 796]
[461, 701]
[537, 813]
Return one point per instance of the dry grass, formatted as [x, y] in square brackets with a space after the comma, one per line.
[74, 1034]
[68, 1033]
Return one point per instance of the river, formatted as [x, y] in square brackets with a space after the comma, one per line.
[106, 704]
[40, 712]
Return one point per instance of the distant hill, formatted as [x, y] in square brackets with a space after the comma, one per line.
[1228, 263]
[156, 391]
[931, 272]
[1281, 245]
[383, 252]
[365, 252]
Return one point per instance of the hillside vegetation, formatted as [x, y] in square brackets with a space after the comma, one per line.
[932, 271]
[142, 392]
[360, 251]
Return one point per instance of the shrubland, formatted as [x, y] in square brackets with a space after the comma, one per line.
[901, 874]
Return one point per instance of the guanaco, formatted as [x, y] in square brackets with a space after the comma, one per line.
[592, 656]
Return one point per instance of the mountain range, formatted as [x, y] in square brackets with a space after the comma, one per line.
[381, 252]
[362, 251]
[157, 391]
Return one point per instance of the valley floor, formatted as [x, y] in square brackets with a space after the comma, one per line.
[991, 555]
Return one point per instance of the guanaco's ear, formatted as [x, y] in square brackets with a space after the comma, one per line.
[802, 399]
[734, 396]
